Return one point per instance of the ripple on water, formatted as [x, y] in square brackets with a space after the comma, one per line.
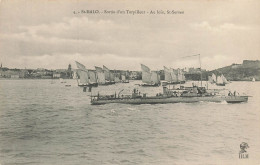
[50, 124]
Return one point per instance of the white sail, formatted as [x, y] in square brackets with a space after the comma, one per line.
[80, 66]
[174, 75]
[145, 68]
[84, 79]
[107, 73]
[253, 79]
[98, 69]
[214, 78]
[167, 74]
[100, 75]
[101, 78]
[180, 75]
[224, 79]
[219, 80]
[155, 78]
[92, 76]
[146, 77]
[146, 74]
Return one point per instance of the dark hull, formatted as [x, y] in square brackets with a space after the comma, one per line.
[164, 100]
[220, 84]
[149, 85]
[107, 83]
[88, 85]
[181, 82]
[125, 82]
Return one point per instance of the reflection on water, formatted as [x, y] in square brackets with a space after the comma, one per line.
[47, 123]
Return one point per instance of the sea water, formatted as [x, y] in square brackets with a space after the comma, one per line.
[47, 123]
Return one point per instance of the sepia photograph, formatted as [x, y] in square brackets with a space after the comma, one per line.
[121, 82]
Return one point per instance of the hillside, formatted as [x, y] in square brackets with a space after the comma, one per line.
[240, 72]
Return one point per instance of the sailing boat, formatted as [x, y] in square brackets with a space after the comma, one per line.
[180, 77]
[174, 76]
[87, 77]
[253, 79]
[214, 78]
[167, 74]
[149, 78]
[100, 76]
[83, 77]
[221, 80]
[109, 76]
[92, 78]
[155, 77]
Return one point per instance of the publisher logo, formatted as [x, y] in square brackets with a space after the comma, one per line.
[243, 153]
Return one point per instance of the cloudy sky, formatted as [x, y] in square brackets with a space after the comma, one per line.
[47, 34]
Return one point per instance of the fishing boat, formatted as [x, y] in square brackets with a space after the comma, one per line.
[100, 76]
[149, 78]
[194, 94]
[174, 76]
[92, 78]
[109, 76]
[221, 80]
[212, 79]
[85, 77]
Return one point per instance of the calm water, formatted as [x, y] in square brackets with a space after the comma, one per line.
[44, 123]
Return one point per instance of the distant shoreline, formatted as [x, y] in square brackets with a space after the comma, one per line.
[75, 79]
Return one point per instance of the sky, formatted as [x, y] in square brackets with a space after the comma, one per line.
[47, 33]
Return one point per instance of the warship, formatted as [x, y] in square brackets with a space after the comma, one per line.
[185, 95]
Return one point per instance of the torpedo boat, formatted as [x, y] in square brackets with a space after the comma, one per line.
[187, 95]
